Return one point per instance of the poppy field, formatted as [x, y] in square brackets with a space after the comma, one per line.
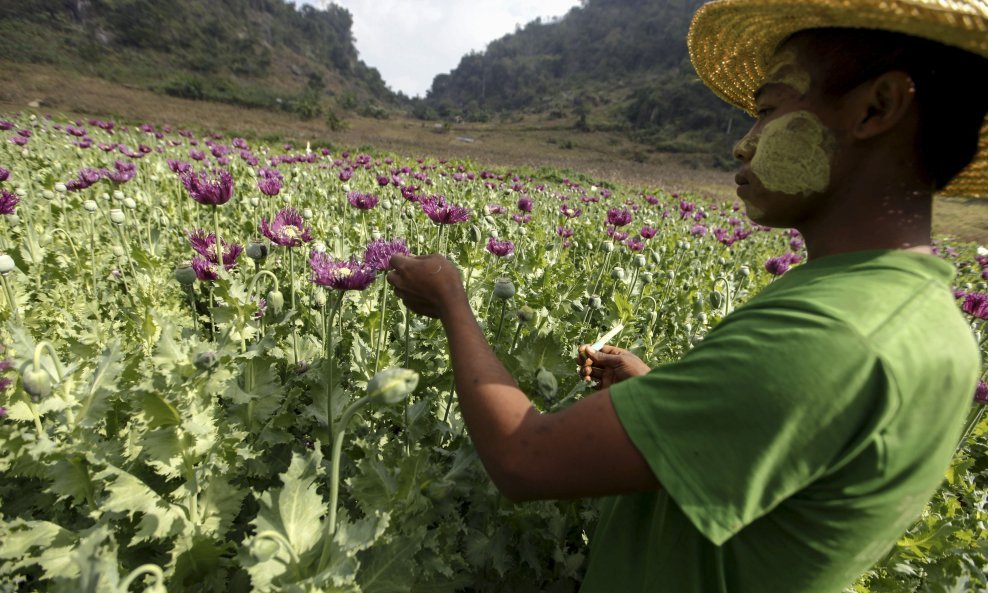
[206, 385]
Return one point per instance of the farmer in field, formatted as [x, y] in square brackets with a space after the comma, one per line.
[792, 447]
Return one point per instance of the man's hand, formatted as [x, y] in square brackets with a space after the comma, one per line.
[426, 284]
[609, 365]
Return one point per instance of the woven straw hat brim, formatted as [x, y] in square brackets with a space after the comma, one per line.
[731, 41]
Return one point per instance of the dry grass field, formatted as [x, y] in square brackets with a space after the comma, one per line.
[531, 142]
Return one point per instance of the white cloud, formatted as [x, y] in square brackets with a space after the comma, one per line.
[411, 41]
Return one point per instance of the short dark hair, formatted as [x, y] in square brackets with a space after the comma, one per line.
[951, 111]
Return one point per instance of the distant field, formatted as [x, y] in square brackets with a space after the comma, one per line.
[531, 142]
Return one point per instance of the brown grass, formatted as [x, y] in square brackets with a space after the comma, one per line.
[531, 142]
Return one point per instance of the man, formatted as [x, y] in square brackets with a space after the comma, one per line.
[793, 446]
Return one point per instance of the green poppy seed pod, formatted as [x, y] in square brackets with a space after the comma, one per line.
[647, 277]
[13, 220]
[205, 361]
[376, 235]
[671, 274]
[639, 261]
[968, 286]
[617, 273]
[37, 383]
[982, 285]
[61, 188]
[504, 289]
[185, 275]
[607, 246]
[257, 250]
[307, 213]
[716, 299]
[723, 261]
[596, 302]
[118, 195]
[680, 244]
[276, 301]
[662, 248]
[386, 204]
[656, 257]
[319, 246]
[577, 306]
[318, 299]
[21, 192]
[90, 206]
[117, 216]
[6, 264]
[489, 220]
[48, 194]
[545, 383]
[494, 234]
[393, 385]
[263, 549]
[745, 271]
[255, 201]
[475, 234]
[105, 197]
[129, 203]
[118, 251]
[525, 314]
[702, 317]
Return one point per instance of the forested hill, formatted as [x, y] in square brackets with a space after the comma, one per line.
[258, 53]
[611, 63]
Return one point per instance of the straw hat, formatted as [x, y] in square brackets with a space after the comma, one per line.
[731, 41]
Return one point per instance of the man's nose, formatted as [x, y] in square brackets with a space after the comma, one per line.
[744, 150]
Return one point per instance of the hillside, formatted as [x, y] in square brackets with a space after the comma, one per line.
[253, 53]
[607, 64]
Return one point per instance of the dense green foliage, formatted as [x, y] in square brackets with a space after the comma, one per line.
[624, 58]
[177, 433]
[257, 53]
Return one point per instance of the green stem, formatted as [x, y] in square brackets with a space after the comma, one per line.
[328, 346]
[380, 337]
[219, 244]
[151, 569]
[514, 341]
[500, 323]
[10, 297]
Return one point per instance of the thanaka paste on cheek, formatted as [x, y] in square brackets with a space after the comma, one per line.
[793, 155]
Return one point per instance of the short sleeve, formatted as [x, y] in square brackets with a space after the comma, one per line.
[752, 414]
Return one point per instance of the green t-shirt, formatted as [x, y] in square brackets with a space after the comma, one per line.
[799, 439]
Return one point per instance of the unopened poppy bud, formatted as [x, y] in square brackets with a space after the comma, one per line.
[607, 246]
[257, 250]
[525, 314]
[118, 195]
[617, 273]
[185, 274]
[376, 235]
[671, 275]
[657, 258]
[595, 302]
[475, 234]
[37, 383]
[255, 201]
[716, 299]
[386, 204]
[117, 216]
[129, 203]
[545, 383]
[90, 206]
[494, 234]
[653, 316]
[48, 194]
[639, 261]
[319, 246]
[318, 299]
[13, 220]
[504, 289]
[6, 264]
[105, 197]
[263, 549]
[61, 188]
[118, 251]
[391, 386]
[647, 277]
[702, 317]
[744, 271]
[205, 361]
[21, 192]
[276, 301]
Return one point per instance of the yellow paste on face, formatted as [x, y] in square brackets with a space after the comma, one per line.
[793, 155]
[784, 69]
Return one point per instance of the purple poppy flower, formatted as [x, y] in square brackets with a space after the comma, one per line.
[4, 174]
[976, 304]
[19, 140]
[124, 172]
[522, 219]
[377, 255]
[619, 218]
[652, 200]
[339, 274]
[778, 266]
[204, 243]
[570, 212]
[440, 211]
[500, 248]
[179, 166]
[346, 174]
[209, 188]
[980, 393]
[204, 270]
[525, 204]
[287, 230]
[635, 244]
[698, 230]
[6, 125]
[196, 155]
[362, 201]
[648, 232]
[564, 232]
[269, 186]
[8, 202]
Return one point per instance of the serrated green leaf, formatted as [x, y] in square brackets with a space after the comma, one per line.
[295, 510]
[129, 495]
[391, 567]
[101, 386]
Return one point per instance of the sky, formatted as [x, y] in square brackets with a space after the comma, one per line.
[411, 41]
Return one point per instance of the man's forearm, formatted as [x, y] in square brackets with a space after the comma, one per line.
[493, 406]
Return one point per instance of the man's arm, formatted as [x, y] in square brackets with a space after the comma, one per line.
[580, 451]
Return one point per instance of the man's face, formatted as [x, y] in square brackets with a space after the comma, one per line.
[787, 159]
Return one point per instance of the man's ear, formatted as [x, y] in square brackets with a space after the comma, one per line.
[883, 103]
